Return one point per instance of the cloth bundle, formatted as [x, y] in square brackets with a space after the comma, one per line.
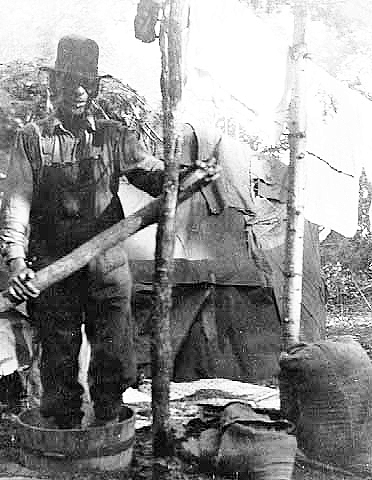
[249, 444]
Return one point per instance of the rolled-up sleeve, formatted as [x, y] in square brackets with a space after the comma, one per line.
[144, 170]
[16, 203]
[141, 168]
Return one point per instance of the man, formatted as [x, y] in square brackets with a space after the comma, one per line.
[62, 190]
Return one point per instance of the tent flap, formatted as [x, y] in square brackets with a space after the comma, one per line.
[228, 295]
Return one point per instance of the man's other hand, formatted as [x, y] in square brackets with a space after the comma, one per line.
[210, 167]
[21, 287]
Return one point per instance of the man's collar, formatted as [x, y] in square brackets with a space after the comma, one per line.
[49, 124]
[90, 124]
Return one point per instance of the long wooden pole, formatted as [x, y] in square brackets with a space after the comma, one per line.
[296, 186]
[78, 258]
[171, 43]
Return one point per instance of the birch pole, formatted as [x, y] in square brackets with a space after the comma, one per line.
[296, 185]
[171, 45]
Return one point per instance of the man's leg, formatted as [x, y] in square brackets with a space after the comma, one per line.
[56, 313]
[110, 331]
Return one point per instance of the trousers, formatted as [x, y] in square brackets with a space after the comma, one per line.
[99, 295]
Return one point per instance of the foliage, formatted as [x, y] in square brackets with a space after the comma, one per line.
[23, 98]
[347, 262]
[121, 102]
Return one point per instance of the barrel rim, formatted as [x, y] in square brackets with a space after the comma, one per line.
[130, 418]
[97, 452]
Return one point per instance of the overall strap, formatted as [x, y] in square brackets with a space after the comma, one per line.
[34, 149]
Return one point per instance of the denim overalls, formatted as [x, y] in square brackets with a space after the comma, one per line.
[75, 197]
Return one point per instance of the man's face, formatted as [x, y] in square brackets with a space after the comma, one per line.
[72, 93]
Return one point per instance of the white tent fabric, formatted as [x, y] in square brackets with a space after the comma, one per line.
[235, 63]
[340, 145]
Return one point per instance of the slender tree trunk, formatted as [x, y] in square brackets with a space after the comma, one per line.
[296, 186]
[171, 43]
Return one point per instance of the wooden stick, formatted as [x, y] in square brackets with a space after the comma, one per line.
[171, 44]
[119, 232]
[295, 204]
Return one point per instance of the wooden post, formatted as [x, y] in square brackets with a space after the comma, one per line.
[296, 186]
[171, 44]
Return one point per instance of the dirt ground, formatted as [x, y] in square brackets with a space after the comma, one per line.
[342, 321]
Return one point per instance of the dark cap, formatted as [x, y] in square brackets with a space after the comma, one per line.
[78, 56]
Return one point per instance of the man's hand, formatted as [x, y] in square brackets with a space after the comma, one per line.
[210, 165]
[21, 287]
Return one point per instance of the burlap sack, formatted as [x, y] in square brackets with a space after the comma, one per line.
[326, 390]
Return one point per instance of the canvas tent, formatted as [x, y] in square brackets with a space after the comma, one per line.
[229, 273]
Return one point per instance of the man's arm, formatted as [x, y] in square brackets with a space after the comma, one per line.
[144, 170]
[14, 221]
[16, 203]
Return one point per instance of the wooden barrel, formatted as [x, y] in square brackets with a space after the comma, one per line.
[105, 448]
